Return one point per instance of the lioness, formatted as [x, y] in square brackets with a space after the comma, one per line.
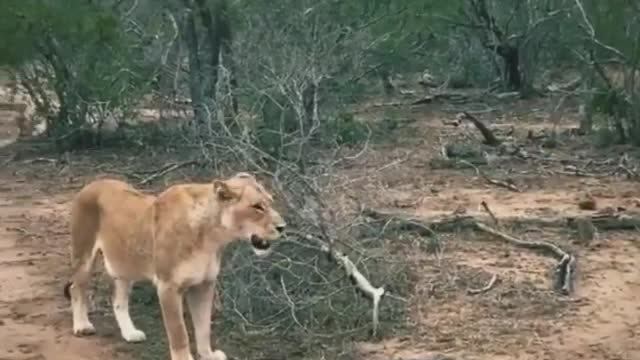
[175, 240]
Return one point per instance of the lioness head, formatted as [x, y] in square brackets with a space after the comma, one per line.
[247, 211]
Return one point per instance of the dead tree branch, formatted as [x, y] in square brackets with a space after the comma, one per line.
[165, 170]
[565, 266]
[484, 289]
[564, 269]
[489, 137]
[362, 283]
[452, 223]
[495, 182]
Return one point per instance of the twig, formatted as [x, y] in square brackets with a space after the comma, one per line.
[577, 172]
[488, 210]
[495, 182]
[484, 289]
[10, 159]
[291, 303]
[166, 170]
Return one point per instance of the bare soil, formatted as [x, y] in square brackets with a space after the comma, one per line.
[521, 317]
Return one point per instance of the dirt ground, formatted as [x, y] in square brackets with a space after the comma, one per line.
[520, 318]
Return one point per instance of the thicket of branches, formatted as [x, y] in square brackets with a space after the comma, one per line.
[271, 67]
[268, 85]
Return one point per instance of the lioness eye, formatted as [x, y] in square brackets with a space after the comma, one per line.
[258, 207]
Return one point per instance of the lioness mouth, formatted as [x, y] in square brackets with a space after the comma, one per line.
[259, 243]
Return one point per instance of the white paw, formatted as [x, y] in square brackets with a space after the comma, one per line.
[84, 329]
[134, 335]
[216, 355]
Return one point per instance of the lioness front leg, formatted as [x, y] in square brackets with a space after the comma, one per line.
[200, 301]
[171, 305]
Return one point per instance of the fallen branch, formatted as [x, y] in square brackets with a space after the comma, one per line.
[453, 97]
[489, 137]
[564, 269]
[631, 174]
[452, 223]
[534, 245]
[40, 159]
[495, 182]
[165, 170]
[10, 159]
[484, 289]
[615, 221]
[359, 280]
[578, 173]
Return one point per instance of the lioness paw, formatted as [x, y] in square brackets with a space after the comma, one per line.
[84, 329]
[216, 355]
[134, 335]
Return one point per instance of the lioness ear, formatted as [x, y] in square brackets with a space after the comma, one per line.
[222, 190]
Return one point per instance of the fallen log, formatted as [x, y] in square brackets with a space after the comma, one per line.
[452, 223]
[613, 221]
[489, 137]
[566, 265]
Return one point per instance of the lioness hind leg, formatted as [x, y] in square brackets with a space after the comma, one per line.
[122, 290]
[84, 228]
[78, 294]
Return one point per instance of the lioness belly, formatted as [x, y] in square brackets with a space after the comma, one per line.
[121, 263]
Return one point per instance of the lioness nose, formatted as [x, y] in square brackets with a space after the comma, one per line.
[280, 227]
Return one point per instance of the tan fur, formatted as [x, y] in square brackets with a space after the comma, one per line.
[174, 239]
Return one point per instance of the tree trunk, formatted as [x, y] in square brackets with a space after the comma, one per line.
[219, 39]
[190, 36]
[511, 57]
[223, 27]
[227, 53]
[213, 37]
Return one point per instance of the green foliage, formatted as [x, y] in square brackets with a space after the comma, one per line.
[18, 44]
[88, 59]
[26, 25]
